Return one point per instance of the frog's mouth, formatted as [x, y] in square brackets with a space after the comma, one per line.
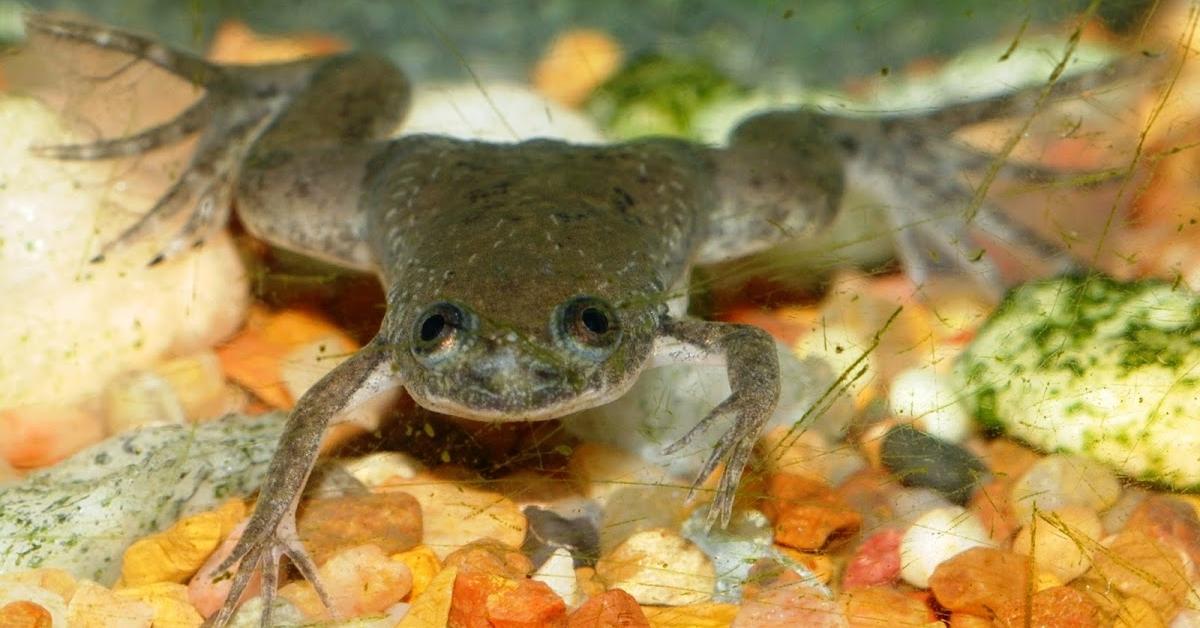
[499, 409]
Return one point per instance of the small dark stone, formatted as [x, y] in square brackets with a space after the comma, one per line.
[549, 531]
[918, 459]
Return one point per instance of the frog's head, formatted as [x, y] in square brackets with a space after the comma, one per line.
[523, 359]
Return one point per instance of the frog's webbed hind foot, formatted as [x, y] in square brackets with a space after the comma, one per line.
[914, 164]
[230, 115]
[262, 548]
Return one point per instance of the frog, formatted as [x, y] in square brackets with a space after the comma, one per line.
[529, 280]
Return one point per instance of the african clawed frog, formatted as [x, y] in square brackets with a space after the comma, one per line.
[524, 281]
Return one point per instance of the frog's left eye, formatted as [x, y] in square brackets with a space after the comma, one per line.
[589, 325]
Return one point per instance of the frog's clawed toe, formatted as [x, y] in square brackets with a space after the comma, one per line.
[186, 66]
[263, 553]
[733, 449]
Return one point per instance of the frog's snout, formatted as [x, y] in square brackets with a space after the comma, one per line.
[505, 370]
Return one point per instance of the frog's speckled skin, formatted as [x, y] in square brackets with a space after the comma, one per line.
[524, 281]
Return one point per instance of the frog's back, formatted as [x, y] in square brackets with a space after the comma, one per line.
[452, 219]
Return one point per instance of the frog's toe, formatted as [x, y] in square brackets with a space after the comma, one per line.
[734, 449]
[264, 554]
[186, 66]
[190, 121]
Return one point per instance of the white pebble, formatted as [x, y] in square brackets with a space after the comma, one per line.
[1062, 480]
[558, 572]
[935, 537]
[924, 396]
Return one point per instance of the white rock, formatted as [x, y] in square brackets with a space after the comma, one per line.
[1062, 480]
[924, 396]
[659, 567]
[667, 401]
[936, 537]
[494, 112]
[68, 327]
[1061, 542]
[558, 572]
[379, 468]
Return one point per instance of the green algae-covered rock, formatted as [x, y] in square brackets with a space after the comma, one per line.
[1097, 367]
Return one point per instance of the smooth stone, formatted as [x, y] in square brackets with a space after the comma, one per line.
[610, 609]
[1062, 480]
[558, 573]
[923, 396]
[668, 401]
[659, 567]
[550, 532]
[457, 511]
[934, 538]
[638, 508]
[381, 468]
[918, 459]
[1061, 542]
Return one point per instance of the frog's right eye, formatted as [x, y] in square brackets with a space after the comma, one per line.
[439, 330]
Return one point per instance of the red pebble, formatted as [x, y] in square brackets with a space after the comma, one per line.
[532, 604]
[487, 600]
[611, 609]
[875, 562]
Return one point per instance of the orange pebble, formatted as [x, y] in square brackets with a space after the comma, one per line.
[254, 357]
[25, 615]
[41, 435]
[235, 42]
[576, 62]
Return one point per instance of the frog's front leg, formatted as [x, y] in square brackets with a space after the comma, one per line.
[753, 370]
[271, 530]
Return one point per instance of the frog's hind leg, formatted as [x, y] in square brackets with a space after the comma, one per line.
[1025, 101]
[232, 112]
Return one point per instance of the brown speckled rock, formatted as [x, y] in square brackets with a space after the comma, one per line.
[980, 580]
[884, 607]
[808, 514]
[489, 556]
[390, 521]
[1061, 607]
[1138, 565]
[611, 609]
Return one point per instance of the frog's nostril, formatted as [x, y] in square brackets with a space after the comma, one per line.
[545, 374]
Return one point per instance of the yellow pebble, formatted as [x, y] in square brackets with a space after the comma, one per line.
[424, 565]
[177, 553]
[94, 606]
[170, 603]
[433, 607]
[1138, 613]
[706, 615]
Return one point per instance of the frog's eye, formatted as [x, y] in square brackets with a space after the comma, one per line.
[439, 330]
[588, 325]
